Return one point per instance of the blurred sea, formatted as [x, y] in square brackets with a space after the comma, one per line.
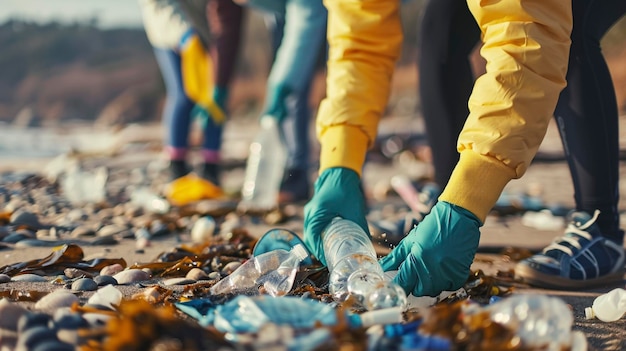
[37, 143]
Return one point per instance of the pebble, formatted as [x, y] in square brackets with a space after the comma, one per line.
[103, 280]
[76, 273]
[196, 274]
[131, 276]
[231, 267]
[84, 284]
[4, 278]
[28, 278]
[178, 281]
[31, 337]
[55, 300]
[32, 319]
[215, 276]
[11, 314]
[112, 269]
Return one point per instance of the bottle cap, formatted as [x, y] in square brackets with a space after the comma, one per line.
[300, 252]
[589, 314]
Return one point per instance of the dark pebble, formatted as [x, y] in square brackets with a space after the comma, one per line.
[84, 284]
[103, 280]
[70, 321]
[34, 336]
[32, 319]
[53, 345]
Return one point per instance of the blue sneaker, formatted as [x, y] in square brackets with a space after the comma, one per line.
[582, 258]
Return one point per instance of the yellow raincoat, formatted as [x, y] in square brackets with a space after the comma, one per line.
[526, 45]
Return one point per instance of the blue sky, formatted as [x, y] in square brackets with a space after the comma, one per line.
[111, 13]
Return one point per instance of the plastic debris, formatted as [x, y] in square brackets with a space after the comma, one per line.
[608, 307]
[354, 268]
[275, 271]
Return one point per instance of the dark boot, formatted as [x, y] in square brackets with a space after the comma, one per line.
[294, 187]
[178, 169]
[211, 172]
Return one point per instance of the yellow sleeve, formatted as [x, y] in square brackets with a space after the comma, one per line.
[526, 46]
[365, 38]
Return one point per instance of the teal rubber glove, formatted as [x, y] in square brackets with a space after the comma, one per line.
[276, 102]
[338, 192]
[220, 97]
[437, 254]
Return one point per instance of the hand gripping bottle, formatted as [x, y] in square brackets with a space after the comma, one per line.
[608, 307]
[264, 168]
[354, 268]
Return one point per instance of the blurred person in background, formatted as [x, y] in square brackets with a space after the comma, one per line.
[298, 32]
[178, 31]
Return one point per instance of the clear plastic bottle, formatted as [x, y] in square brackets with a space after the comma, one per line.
[275, 270]
[608, 307]
[264, 168]
[149, 201]
[354, 268]
[540, 321]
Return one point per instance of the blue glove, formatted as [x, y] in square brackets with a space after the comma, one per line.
[220, 97]
[338, 192]
[437, 254]
[276, 102]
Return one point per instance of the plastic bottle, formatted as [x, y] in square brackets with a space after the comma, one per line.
[264, 169]
[420, 202]
[354, 268]
[540, 321]
[275, 270]
[608, 307]
[149, 201]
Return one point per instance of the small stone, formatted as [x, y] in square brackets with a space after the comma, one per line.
[84, 284]
[131, 276]
[32, 319]
[112, 269]
[178, 281]
[11, 314]
[23, 218]
[53, 345]
[76, 273]
[35, 336]
[28, 278]
[4, 278]
[83, 230]
[196, 274]
[214, 276]
[231, 267]
[103, 280]
[55, 300]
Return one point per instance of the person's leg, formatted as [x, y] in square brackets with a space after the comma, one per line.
[591, 251]
[587, 116]
[176, 112]
[225, 20]
[298, 37]
[448, 34]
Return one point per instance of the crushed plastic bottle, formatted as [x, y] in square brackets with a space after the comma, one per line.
[608, 307]
[264, 169]
[247, 314]
[274, 270]
[540, 321]
[354, 268]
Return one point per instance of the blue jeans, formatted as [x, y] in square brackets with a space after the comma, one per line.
[298, 36]
[177, 112]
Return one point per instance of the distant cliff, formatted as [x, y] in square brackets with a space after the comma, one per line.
[60, 72]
